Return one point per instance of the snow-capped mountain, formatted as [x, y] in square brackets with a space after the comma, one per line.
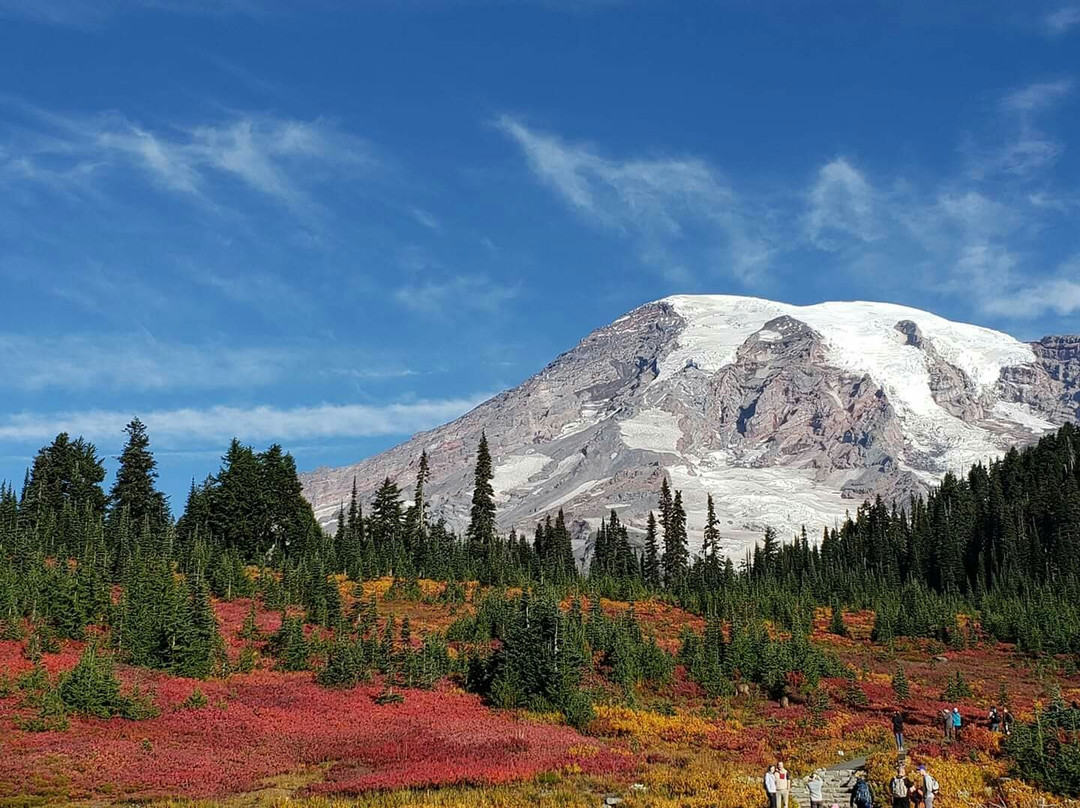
[788, 415]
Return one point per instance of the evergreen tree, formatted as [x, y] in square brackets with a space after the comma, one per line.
[481, 529]
[836, 620]
[676, 552]
[134, 492]
[900, 685]
[64, 473]
[710, 545]
[651, 568]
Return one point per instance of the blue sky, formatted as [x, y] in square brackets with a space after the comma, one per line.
[331, 224]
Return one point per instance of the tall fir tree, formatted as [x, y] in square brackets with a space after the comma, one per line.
[651, 570]
[481, 529]
[135, 488]
[676, 551]
[710, 545]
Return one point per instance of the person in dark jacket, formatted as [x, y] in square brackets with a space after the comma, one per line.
[898, 729]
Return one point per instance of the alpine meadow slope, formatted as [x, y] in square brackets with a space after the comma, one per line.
[788, 415]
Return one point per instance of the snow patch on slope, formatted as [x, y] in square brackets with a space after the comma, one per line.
[1021, 414]
[653, 430]
[514, 471]
[584, 488]
[748, 499]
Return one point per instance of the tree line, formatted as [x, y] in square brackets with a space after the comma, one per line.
[1002, 541]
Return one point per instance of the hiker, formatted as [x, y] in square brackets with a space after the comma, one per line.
[770, 786]
[900, 789]
[994, 719]
[1007, 721]
[928, 785]
[898, 730]
[815, 784]
[916, 795]
[957, 722]
[783, 785]
[861, 794]
[946, 723]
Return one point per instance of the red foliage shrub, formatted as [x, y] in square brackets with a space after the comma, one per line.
[267, 723]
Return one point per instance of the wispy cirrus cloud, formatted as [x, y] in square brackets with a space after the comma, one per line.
[1062, 20]
[841, 201]
[663, 204]
[457, 295]
[276, 158]
[972, 235]
[1019, 146]
[1059, 293]
[178, 428]
[136, 362]
[83, 13]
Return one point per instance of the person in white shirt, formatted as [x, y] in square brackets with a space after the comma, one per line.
[770, 786]
[783, 786]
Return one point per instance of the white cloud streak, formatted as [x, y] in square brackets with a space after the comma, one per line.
[841, 202]
[1058, 294]
[1062, 21]
[1024, 149]
[660, 203]
[84, 13]
[132, 362]
[969, 237]
[460, 294]
[139, 363]
[183, 427]
[274, 157]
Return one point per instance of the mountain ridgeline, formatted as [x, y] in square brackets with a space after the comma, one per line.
[786, 415]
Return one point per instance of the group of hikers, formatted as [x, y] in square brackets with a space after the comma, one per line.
[952, 724]
[904, 791]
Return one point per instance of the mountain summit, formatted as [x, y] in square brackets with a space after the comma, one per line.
[787, 415]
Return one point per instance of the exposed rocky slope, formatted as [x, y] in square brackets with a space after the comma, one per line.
[788, 415]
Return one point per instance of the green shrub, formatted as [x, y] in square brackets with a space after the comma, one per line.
[250, 629]
[836, 621]
[246, 662]
[818, 705]
[577, 709]
[388, 696]
[196, 700]
[343, 666]
[957, 689]
[91, 688]
[854, 695]
[51, 715]
[291, 646]
[900, 684]
[1046, 751]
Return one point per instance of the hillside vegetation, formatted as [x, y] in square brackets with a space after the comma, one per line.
[241, 653]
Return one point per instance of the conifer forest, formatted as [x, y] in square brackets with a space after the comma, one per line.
[239, 648]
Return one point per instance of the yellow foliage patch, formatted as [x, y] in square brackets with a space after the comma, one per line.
[643, 725]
